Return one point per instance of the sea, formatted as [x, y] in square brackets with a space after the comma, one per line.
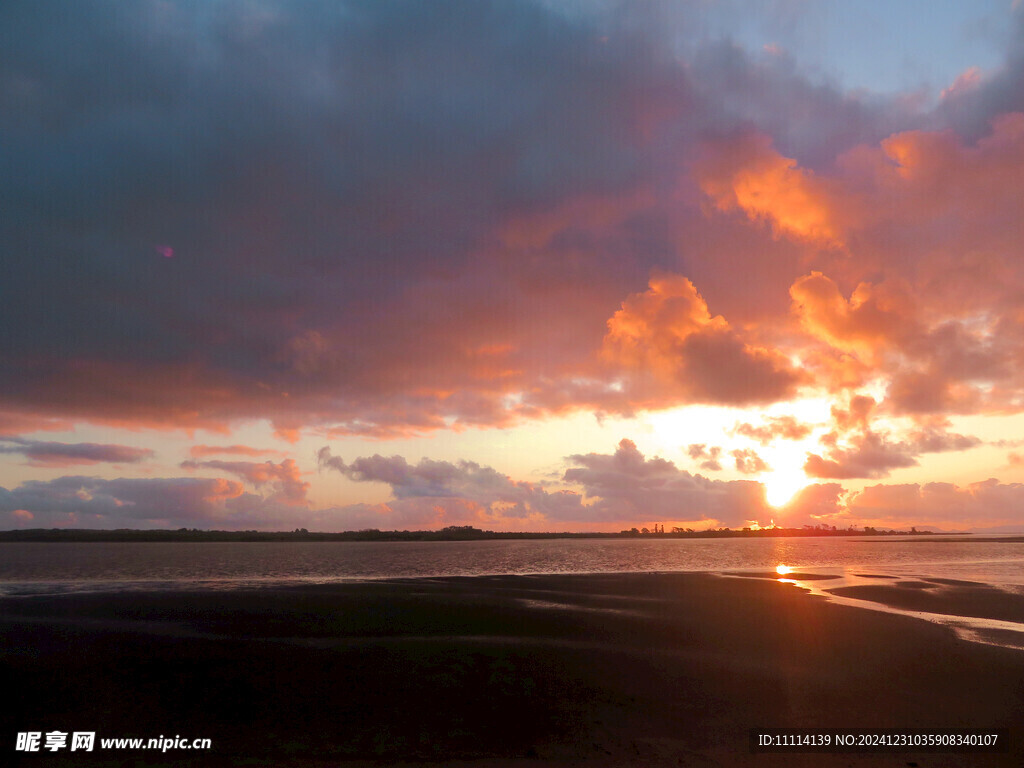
[42, 567]
[994, 562]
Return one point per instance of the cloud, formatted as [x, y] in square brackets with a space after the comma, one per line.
[872, 318]
[869, 455]
[873, 455]
[619, 489]
[19, 423]
[168, 502]
[749, 175]
[443, 490]
[748, 462]
[386, 220]
[197, 451]
[708, 457]
[966, 81]
[126, 502]
[670, 347]
[626, 485]
[380, 216]
[773, 428]
[941, 505]
[332, 198]
[52, 454]
[284, 478]
[856, 416]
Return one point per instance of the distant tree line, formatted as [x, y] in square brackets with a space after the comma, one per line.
[451, 533]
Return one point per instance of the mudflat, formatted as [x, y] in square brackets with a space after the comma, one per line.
[532, 671]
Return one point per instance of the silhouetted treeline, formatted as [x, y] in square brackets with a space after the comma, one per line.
[451, 533]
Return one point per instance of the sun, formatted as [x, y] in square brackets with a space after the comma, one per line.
[782, 485]
[785, 476]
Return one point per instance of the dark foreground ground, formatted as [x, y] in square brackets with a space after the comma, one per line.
[530, 672]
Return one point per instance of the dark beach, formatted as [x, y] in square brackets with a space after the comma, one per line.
[603, 670]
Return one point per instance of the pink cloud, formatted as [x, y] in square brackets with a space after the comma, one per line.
[708, 457]
[284, 478]
[855, 450]
[774, 428]
[987, 503]
[967, 80]
[748, 462]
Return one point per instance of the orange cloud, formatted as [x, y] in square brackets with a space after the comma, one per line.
[284, 478]
[671, 345]
[239, 450]
[864, 324]
[856, 416]
[15, 423]
[750, 175]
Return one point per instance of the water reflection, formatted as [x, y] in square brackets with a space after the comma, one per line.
[890, 593]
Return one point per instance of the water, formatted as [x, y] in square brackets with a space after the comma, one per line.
[33, 568]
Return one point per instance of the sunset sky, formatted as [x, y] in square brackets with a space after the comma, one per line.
[553, 265]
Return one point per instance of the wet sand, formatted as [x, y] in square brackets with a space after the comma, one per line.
[947, 596]
[530, 671]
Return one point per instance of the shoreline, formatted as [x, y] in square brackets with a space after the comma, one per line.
[597, 669]
[196, 536]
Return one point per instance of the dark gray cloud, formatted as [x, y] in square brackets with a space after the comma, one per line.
[94, 502]
[324, 174]
[333, 213]
[970, 109]
[43, 453]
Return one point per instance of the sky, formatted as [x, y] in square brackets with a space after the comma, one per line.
[538, 265]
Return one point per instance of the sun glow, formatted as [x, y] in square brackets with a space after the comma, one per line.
[714, 427]
[782, 485]
[782, 570]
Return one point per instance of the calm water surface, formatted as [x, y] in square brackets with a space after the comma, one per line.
[34, 568]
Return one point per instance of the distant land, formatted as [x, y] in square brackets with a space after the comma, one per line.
[451, 533]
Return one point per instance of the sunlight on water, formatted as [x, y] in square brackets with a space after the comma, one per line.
[243, 564]
[944, 566]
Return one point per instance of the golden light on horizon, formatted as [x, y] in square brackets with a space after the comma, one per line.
[783, 570]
